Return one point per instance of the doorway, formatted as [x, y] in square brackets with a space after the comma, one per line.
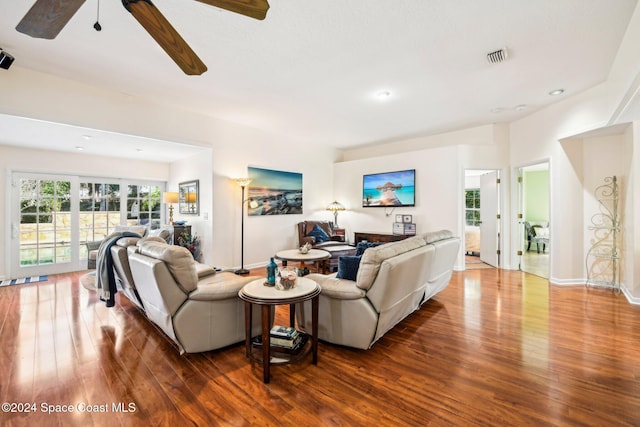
[533, 217]
[482, 219]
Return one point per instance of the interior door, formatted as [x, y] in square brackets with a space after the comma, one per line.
[489, 218]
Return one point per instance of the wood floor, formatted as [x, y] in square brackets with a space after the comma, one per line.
[496, 348]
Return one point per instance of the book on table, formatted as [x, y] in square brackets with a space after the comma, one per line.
[286, 342]
[291, 346]
[283, 331]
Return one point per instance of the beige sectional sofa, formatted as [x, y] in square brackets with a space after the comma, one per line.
[393, 280]
[196, 307]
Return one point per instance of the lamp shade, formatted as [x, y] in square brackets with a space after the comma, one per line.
[335, 207]
[169, 197]
[243, 182]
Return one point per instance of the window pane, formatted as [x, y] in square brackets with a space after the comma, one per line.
[63, 253]
[28, 189]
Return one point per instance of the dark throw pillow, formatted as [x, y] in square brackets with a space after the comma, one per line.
[348, 267]
[319, 234]
[363, 246]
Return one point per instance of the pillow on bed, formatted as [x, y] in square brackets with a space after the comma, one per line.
[348, 267]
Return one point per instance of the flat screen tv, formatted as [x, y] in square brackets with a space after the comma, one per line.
[389, 189]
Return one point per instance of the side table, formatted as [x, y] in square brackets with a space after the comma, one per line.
[266, 296]
[314, 256]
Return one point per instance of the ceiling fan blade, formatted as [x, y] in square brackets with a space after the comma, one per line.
[165, 35]
[253, 8]
[47, 18]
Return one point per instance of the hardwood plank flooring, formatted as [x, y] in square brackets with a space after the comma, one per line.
[495, 348]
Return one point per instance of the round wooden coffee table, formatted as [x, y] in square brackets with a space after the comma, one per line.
[267, 296]
[314, 256]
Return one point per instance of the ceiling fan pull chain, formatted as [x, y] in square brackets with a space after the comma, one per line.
[97, 25]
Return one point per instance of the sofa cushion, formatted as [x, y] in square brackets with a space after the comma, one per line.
[151, 239]
[373, 257]
[179, 261]
[319, 234]
[348, 267]
[140, 230]
[162, 233]
[127, 241]
[363, 246]
[434, 236]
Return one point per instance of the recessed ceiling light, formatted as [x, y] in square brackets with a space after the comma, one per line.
[520, 107]
[139, 150]
[86, 137]
[79, 148]
[496, 110]
[383, 94]
[556, 92]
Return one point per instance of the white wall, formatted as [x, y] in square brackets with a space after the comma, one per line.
[13, 159]
[196, 167]
[231, 152]
[437, 191]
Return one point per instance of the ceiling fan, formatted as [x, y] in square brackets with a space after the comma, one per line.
[47, 18]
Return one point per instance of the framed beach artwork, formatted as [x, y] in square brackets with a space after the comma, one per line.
[388, 189]
[273, 192]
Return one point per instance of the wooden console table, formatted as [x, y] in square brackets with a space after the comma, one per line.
[360, 236]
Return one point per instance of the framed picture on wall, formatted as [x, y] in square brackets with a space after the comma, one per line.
[273, 192]
[188, 199]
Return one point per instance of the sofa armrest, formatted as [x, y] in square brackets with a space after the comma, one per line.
[220, 286]
[204, 270]
[337, 288]
[336, 238]
[93, 246]
[341, 289]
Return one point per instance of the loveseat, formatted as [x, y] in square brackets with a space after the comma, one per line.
[392, 281]
[199, 310]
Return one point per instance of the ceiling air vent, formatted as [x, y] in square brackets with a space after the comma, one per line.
[497, 56]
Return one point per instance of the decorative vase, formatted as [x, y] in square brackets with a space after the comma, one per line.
[272, 268]
[287, 278]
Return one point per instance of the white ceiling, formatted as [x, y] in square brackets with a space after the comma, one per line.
[311, 69]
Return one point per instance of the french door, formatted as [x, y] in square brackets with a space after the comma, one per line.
[42, 225]
[53, 216]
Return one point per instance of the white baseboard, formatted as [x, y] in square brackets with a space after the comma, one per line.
[567, 282]
[632, 300]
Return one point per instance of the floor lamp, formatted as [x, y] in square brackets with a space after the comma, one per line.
[242, 182]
